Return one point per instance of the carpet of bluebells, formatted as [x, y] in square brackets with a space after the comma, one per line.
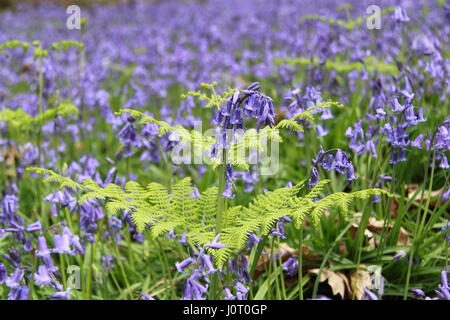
[389, 129]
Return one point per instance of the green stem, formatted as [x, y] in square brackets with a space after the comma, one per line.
[257, 255]
[166, 261]
[360, 240]
[221, 212]
[118, 258]
[280, 262]
[272, 268]
[418, 228]
[300, 263]
[44, 218]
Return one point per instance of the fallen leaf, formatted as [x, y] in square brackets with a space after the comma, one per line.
[337, 280]
[363, 281]
[411, 189]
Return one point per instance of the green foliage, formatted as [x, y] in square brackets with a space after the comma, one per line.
[155, 207]
[36, 46]
[22, 120]
[251, 139]
[66, 45]
[294, 125]
[214, 100]
[342, 66]
[349, 24]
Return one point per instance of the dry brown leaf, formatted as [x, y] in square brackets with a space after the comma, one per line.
[403, 238]
[374, 225]
[342, 248]
[364, 281]
[411, 189]
[337, 281]
[286, 253]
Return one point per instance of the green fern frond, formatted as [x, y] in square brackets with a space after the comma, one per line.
[154, 207]
[51, 176]
[65, 45]
[214, 99]
[22, 120]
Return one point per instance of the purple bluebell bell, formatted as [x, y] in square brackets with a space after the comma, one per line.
[184, 264]
[107, 262]
[291, 266]
[228, 192]
[314, 177]
[206, 263]
[241, 291]
[61, 295]
[216, 245]
[35, 226]
[3, 273]
[369, 295]
[42, 277]
[19, 293]
[62, 243]
[42, 247]
[48, 261]
[417, 293]
[444, 290]
[228, 295]
[14, 280]
[28, 246]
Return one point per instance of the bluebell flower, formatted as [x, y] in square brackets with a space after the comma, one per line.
[400, 15]
[444, 163]
[13, 257]
[205, 262]
[329, 163]
[187, 293]
[417, 143]
[215, 245]
[194, 290]
[183, 239]
[252, 240]
[314, 177]
[62, 243]
[279, 231]
[291, 266]
[61, 295]
[241, 291]
[48, 261]
[107, 262]
[444, 289]
[35, 226]
[320, 297]
[42, 277]
[184, 264]
[78, 248]
[228, 193]
[144, 296]
[399, 255]
[417, 293]
[351, 174]
[19, 293]
[228, 295]
[27, 246]
[42, 247]
[14, 280]
[369, 295]
[3, 273]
